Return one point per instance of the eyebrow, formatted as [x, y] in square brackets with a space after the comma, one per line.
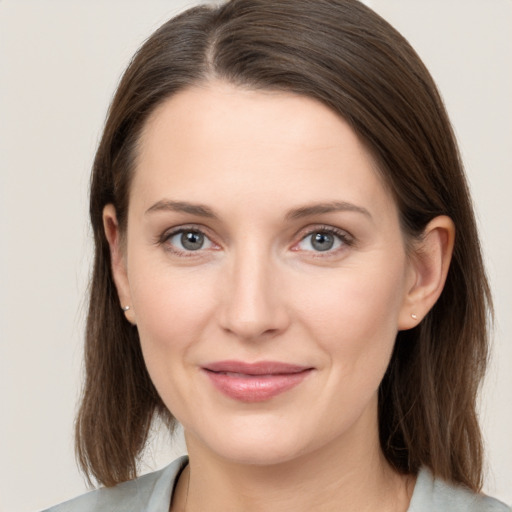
[294, 214]
[166, 205]
[331, 207]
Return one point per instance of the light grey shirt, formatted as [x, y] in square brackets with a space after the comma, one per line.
[153, 492]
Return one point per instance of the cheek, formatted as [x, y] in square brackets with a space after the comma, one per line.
[354, 317]
[172, 311]
[171, 306]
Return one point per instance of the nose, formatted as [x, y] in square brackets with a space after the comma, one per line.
[253, 305]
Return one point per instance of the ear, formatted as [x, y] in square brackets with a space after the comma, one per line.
[429, 264]
[118, 260]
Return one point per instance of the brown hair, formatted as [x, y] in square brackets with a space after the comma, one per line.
[345, 56]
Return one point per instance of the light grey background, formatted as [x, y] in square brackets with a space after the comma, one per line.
[59, 65]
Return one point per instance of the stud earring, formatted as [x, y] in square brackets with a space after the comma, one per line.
[414, 316]
[126, 308]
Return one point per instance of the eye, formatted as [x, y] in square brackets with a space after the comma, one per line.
[187, 240]
[324, 240]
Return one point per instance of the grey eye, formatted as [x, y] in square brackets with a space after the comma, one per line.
[185, 241]
[322, 241]
[192, 240]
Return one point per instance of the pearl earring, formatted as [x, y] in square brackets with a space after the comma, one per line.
[126, 308]
[414, 316]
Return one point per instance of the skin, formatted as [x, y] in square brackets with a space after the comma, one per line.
[258, 289]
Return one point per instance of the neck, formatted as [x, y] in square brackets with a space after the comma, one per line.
[346, 475]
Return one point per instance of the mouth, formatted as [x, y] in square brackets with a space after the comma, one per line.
[255, 382]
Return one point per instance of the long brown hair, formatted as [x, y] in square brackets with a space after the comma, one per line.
[347, 57]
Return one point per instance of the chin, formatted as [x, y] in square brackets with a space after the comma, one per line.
[259, 453]
[252, 445]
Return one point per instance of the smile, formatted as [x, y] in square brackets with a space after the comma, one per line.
[255, 382]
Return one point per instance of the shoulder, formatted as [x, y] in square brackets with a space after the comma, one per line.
[434, 494]
[151, 493]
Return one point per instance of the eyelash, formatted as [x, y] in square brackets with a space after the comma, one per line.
[168, 235]
[344, 237]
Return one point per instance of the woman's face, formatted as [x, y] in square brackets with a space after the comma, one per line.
[266, 272]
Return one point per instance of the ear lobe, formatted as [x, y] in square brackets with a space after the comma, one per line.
[430, 262]
[118, 260]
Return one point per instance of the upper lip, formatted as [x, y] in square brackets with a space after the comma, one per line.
[259, 368]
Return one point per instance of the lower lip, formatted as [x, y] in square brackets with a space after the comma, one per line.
[255, 388]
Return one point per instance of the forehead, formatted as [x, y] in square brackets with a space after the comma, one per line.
[240, 141]
[221, 114]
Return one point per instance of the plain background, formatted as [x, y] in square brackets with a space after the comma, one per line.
[59, 64]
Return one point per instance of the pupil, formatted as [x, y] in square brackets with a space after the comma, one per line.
[192, 241]
[322, 241]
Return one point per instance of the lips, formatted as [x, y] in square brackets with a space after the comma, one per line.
[255, 382]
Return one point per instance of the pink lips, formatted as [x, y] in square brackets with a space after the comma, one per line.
[255, 382]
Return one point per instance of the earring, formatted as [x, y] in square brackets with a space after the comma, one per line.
[125, 308]
[414, 316]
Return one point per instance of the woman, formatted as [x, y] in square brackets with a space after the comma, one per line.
[286, 263]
